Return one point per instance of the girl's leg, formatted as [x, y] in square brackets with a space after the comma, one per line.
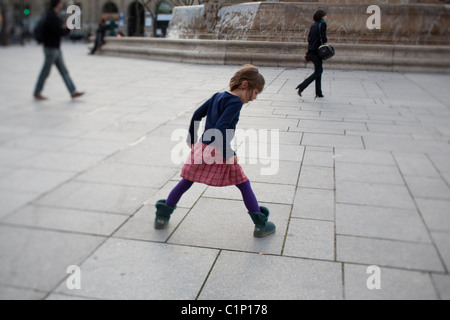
[259, 215]
[177, 192]
[165, 208]
[249, 197]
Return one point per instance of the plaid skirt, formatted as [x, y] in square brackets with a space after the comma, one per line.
[206, 165]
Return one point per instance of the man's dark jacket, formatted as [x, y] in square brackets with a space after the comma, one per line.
[53, 30]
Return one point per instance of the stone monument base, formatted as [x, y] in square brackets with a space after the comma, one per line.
[371, 57]
[404, 23]
[413, 36]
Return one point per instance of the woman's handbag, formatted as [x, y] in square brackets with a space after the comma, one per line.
[325, 51]
[307, 58]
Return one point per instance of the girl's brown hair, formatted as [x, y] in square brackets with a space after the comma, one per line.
[250, 74]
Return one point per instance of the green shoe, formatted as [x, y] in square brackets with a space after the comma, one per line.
[263, 228]
[163, 213]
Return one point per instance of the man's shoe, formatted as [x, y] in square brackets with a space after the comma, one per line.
[40, 97]
[77, 95]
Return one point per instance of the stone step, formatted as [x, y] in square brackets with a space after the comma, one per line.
[405, 58]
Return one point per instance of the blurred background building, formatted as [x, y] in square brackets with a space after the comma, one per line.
[142, 18]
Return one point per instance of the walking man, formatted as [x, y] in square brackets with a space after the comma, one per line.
[52, 31]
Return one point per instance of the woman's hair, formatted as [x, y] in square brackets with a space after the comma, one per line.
[319, 15]
[250, 74]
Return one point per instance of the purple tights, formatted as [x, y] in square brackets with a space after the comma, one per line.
[247, 194]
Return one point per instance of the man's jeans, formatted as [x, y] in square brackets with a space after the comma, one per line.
[54, 56]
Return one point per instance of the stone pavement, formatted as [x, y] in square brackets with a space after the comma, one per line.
[363, 179]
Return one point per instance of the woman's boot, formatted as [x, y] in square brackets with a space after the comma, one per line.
[263, 227]
[163, 213]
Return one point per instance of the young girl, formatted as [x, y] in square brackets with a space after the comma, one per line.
[212, 161]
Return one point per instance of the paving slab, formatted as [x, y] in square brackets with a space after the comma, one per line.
[233, 227]
[12, 201]
[314, 204]
[94, 147]
[134, 270]
[128, 175]
[371, 194]
[310, 239]
[368, 173]
[10, 156]
[442, 241]
[245, 276]
[61, 161]
[318, 158]
[394, 284]
[273, 151]
[337, 125]
[407, 145]
[38, 259]
[152, 151]
[67, 220]
[416, 165]
[442, 283]
[41, 143]
[34, 180]
[374, 157]
[316, 177]
[440, 161]
[284, 172]
[381, 223]
[408, 255]
[435, 213]
[328, 140]
[426, 187]
[98, 197]
[141, 225]
[11, 293]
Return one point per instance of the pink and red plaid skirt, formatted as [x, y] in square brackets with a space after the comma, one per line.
[206, 165]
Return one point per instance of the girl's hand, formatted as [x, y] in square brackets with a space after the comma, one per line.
[236, 160]
[190, 146]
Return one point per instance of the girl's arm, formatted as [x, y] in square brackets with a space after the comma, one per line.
[199, 114]
[226, 125]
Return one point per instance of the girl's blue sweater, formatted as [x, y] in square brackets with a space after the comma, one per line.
[222, 115]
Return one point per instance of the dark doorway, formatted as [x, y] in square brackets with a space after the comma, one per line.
[110, 7]
[136, 20]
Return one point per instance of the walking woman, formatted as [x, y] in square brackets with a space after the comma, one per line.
[317, 36]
